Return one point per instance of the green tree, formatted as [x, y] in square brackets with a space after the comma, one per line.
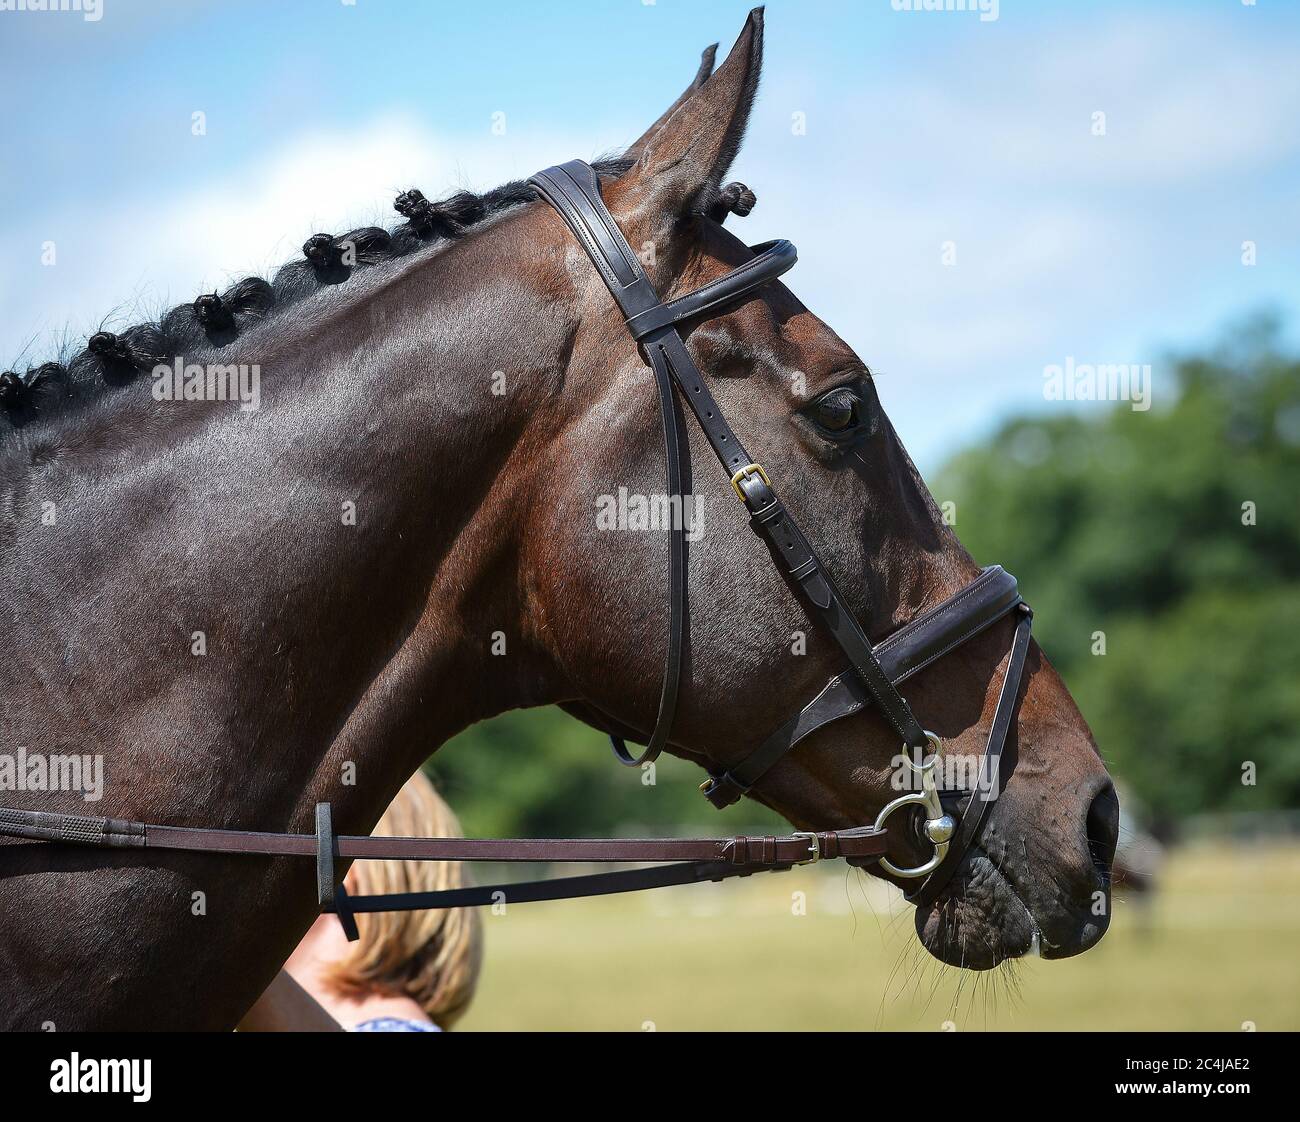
[541, 773]
[1172, 534]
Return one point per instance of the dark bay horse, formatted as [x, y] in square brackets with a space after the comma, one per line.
[247, 611]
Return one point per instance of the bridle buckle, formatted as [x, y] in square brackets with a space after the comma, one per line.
[745, 473]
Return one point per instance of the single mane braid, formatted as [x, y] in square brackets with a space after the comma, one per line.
[111, 349]
[322, 251]
[13, 388]
[212, 314]
[734, 198]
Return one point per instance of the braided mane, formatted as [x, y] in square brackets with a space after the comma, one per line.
[112, 360]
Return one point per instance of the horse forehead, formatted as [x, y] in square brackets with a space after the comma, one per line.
[798, 336]
[774, 326]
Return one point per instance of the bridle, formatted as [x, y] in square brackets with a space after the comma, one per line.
[871, 678]
[574, 191]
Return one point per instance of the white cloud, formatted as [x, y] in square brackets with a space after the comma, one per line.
[131, 257]
[1066, 243]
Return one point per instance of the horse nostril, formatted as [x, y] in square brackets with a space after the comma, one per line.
[1103, 829]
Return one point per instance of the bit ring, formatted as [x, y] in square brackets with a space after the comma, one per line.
[939, 827]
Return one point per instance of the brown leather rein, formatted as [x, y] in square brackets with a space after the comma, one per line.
[693, 859]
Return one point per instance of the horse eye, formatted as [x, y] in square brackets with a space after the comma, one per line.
[838, 411]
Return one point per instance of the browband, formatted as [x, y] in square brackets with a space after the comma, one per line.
[774, 258]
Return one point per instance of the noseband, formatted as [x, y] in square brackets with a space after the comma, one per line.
[874, 673]
[872, 676]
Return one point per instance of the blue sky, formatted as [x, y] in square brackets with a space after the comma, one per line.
[922, 128]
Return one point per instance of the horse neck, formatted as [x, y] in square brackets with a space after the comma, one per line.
[342, 551]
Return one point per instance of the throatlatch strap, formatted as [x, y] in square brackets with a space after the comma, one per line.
[674, 445]
[569, 189]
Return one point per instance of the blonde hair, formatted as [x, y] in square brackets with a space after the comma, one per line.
[432, 957]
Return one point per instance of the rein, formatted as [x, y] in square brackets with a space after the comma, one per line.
[695, 859]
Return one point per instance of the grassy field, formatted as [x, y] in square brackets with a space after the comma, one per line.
[1216, 948]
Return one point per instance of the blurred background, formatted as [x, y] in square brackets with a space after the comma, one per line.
[978, 202]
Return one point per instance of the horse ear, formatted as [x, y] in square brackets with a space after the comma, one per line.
[681, 162]
[701, 76]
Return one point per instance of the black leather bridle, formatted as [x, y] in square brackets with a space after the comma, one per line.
[871, 679]
[573, 189]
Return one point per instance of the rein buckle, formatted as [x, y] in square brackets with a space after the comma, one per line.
[814, 843]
